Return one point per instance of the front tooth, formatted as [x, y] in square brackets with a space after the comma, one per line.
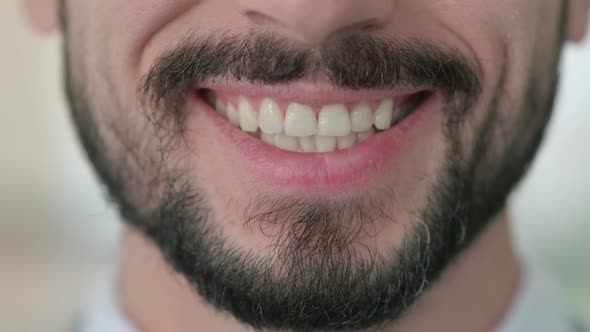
[300, 120]
[334, 121]
[326, 143]
[233, 115]
[344, 142]
[307, 144]
[268, 138]
[285, 142]
[270, 117]
[365, 135]
[248, 116]
[361, 117]
[384, 114]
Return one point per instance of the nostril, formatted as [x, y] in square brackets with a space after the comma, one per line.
[366, 26]
[259, 18]
[313, 22]
[370, 25]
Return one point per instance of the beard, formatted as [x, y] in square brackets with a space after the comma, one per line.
[318, 277]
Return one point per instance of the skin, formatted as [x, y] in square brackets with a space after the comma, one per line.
[502, 36]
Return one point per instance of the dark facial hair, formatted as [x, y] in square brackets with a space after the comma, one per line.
[329, 288]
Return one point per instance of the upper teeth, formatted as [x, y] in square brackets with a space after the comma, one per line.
[270, 117]
[334, 120]
[300, 129]
[300, 121]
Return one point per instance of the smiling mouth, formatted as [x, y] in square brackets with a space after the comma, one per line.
[313, 127]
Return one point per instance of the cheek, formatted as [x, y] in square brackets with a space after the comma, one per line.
[115, 34]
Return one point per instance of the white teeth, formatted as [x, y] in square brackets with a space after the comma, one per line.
[270, 117]
[334, 121]
[220, 107]
[326, 143]
[288, 143]
[361, 117]
[268, 138]
[344, 142]
[233, 115]
[300, 120]
[365, 135]
[299, 130]
[248, 116]
[307, 144]
[384, 114]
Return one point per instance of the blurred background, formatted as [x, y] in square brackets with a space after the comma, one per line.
[58, 235]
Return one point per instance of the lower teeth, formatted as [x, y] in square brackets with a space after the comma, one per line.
[314, 143]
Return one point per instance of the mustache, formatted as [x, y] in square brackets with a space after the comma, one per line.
[354, 62]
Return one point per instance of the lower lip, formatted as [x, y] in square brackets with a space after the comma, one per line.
[354, 166]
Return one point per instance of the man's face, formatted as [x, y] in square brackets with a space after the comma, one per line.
[311, 165]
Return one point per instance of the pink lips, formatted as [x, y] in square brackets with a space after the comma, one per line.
[359, 164]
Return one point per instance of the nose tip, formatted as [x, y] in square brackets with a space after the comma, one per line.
[313, 21]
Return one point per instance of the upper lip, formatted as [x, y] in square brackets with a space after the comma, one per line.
[309, 92]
